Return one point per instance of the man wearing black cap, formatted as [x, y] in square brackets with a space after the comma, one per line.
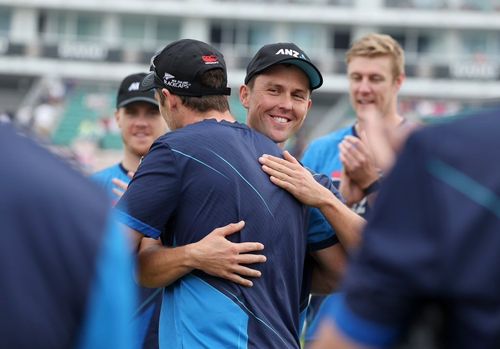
[203, 175]
[277, 90]
[277, 95]
[140, 122]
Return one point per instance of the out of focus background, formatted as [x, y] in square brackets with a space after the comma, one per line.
[61, 60]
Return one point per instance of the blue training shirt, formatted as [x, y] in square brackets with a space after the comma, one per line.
[66, 277]
[147, 314]
[433, 236]
[104, 179]
[202, 177]
[323, 156]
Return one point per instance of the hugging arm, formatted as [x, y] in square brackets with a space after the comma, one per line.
[290, 175]
[160, 265]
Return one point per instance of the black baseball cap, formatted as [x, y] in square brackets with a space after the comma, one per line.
[179, 66]
[129, 91]
[283, 53]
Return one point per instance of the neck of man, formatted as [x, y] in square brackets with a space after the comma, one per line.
[390, 119]
[192, 117]
[393, 119]
[131, 161]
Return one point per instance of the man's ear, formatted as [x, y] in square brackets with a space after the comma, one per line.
[118, 118]
[244, 95]
[399, 81]
[171, 99]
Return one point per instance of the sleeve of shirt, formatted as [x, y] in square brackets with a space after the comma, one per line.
[320, 233]
[398, 259]
[113, 296]
[151, 197]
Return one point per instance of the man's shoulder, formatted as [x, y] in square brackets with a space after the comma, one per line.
[212, 132]
[204, 128]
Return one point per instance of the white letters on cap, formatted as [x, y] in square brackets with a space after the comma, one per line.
[134, 86]
[290, 52]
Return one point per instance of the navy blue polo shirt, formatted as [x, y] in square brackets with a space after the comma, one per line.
[434, 237]
[66, 271]
[202, 177]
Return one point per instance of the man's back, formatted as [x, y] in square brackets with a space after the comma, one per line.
[441, 244]
[468, 220]
[56, 246]
[207, 175]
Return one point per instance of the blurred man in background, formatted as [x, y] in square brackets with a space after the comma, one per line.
[375, 70]
[140, 122]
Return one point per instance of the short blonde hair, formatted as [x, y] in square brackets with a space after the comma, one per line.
[376, 45]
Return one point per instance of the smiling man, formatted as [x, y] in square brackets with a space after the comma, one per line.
[277, 90]
[375, 70]
[140, 123]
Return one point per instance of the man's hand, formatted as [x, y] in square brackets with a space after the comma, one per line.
[217, 256]
[290, 175]
[351, 191]
[121, 186]
[357, 161]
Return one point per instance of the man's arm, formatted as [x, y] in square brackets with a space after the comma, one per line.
[159, 265]
[290, 175]
[329, 267]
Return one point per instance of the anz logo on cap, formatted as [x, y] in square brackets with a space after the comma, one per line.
[134, 86]
[290, 52]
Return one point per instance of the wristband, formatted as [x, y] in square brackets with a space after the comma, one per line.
[372, 188]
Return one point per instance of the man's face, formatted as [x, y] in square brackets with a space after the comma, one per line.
[278, 101]
[372, 85]
[140, 124]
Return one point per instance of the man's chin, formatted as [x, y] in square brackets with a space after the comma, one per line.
[279, 139]
[140, 152]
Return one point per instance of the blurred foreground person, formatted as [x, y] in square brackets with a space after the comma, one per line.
[439, 250]
[66, 272]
